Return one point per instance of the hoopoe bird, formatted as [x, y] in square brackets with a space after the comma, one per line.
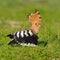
[27, 37]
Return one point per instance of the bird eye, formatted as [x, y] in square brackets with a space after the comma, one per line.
[40, 17]
[35, 23]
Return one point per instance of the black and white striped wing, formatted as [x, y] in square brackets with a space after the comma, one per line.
[24, 36]
[23, 33]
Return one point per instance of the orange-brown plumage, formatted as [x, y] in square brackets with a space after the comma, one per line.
[35, 20]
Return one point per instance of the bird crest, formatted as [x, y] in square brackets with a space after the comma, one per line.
[35, 20]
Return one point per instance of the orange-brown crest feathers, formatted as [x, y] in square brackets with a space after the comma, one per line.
[35, 17]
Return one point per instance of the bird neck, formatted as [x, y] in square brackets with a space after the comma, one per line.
[35, 29]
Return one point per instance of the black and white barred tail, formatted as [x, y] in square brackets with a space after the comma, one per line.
[25, 36]
[10, 36]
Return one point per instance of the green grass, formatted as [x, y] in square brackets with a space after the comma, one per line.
[14, 17]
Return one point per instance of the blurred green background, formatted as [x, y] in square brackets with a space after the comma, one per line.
[14, 17]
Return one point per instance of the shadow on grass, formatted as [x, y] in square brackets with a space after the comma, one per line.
[42, 43]
[15, 45]
[1, 44]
